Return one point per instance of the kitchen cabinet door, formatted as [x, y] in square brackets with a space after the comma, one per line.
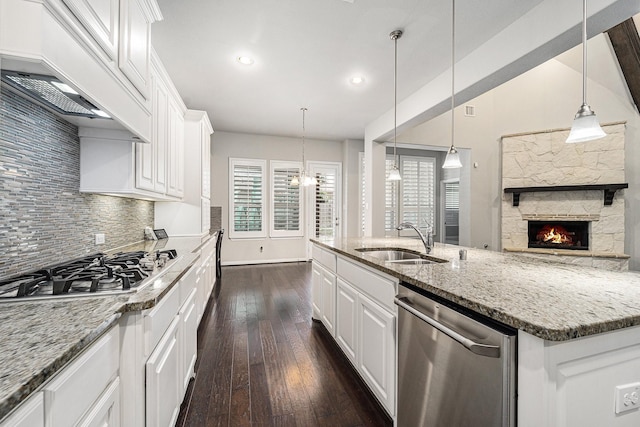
[135, 43]
[101, 19]
[347, 319]
[106, 412]
[376, 355]
[324, 296]
[163, 380]
[206, 159]
[175, 170]
[329, 301]
[189, 341]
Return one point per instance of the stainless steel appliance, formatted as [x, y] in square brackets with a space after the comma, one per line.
[96, 274]
[453, 370]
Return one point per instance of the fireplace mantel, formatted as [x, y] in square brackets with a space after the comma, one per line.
[609, 190]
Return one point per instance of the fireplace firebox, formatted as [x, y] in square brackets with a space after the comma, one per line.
[572, 235]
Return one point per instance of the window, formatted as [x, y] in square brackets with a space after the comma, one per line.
[247, 198]
[285, 200]
[413, 199]
[390, 199]
[418, 191]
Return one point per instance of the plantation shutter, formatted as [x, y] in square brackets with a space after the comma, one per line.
[418, 190]
[247, 198]
[325, 205]
[391, 199]
[286, 198]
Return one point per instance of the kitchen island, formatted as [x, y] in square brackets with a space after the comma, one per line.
[42, 337]
[578, 335]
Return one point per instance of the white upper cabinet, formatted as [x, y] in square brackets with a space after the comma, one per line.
[135, 44]
[101, 19]
[189, 144]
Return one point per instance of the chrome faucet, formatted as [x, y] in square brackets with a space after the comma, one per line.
[426, 240]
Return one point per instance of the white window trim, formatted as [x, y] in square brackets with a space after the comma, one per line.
[276, 164]
[247, 234]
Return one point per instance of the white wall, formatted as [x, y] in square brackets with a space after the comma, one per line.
[351, 202]
[225, 145]
[546, 97]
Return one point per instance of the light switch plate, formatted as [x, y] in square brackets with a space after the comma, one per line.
[627, 397]
[100, 239]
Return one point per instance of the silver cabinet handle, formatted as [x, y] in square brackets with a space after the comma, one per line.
[474, 347]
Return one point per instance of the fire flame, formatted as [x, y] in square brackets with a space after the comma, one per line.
[554, 234]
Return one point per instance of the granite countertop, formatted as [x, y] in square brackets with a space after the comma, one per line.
[547, 299]
[40, 337]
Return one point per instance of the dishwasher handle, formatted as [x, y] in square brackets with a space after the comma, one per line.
[474, 347]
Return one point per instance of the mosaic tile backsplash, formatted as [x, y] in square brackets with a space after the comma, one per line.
[44, 219]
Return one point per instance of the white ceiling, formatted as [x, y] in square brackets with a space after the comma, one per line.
[305, 51]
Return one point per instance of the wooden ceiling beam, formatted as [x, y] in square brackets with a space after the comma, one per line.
[626, 44]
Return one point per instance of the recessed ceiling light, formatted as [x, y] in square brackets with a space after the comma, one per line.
[356, 80]
[245, 60]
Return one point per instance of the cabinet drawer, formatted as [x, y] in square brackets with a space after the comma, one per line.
[75, 390]
[158, 319]
[377, 287]
[325, 257]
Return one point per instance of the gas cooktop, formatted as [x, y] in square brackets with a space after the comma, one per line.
[96, 274]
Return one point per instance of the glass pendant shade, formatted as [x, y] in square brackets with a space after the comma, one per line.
[308, 181]
[394, 174]
[452, 161]
[295, 181]
[585, 126]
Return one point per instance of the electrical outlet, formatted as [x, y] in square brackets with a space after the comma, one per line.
[627, 397]
[100, 240]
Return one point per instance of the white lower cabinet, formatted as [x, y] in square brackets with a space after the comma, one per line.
[78, 392]
[188, 339]
[376, 344]
[106, 412]
[347, 319]
[29, 414]
[324, 292]
[356, 306]
[163, 382]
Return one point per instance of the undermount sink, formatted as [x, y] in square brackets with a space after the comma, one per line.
[398, 256]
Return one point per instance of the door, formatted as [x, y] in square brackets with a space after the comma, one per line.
[347, 319]
[450, 211]
[376, 350]
[324, 216]
[163, 380]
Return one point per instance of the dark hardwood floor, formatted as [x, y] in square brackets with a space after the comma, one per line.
[262, 361]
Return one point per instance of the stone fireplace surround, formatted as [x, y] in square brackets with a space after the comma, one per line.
[540, 159]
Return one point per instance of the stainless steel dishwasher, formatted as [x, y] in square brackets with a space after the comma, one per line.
[453, 370]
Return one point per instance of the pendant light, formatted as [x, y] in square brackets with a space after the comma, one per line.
[585, 125]
[394, 174]
[303, 178]
[452, 161]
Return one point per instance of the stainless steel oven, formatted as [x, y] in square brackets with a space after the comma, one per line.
[453, 370]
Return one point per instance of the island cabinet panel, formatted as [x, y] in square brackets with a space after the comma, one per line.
[573, 383]
[376, 358]
[76, 391]
[324, 296]
[364, 318]
[29, 414]
[347, 319]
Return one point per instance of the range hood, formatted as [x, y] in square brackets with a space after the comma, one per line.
[52, 93]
